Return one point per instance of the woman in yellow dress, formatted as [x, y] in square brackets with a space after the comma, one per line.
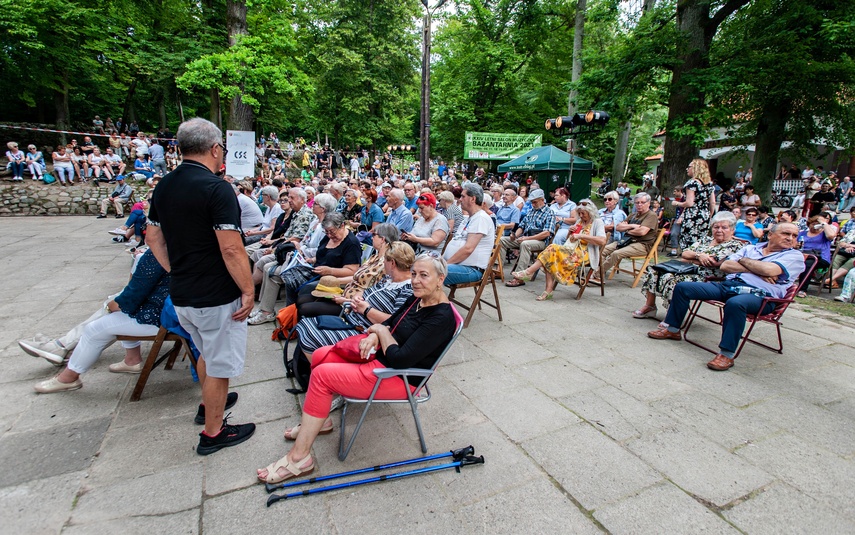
[561, 262]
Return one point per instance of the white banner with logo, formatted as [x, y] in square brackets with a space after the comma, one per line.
[240, 160]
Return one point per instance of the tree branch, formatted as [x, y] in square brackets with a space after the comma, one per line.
[723, 12]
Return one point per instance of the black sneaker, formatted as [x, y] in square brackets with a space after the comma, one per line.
[231, 399]
[229, 435]
[101, 216]
[118, 216]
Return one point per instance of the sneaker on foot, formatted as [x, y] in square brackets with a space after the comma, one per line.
[121, 367]
[262, 317]
[231, 399]
[120, 239]
[229, 435]
[50, 350]
[101, 216]
[118, 231]
[54, 385]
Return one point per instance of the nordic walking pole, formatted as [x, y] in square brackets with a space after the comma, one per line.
[468, 460]
[455, 454]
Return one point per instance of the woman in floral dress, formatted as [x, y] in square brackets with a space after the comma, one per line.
[561, 262]
[700, 198]
[708, 254]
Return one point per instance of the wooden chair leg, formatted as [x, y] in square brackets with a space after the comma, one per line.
[149, 365]
[640, 272]
[172, 355]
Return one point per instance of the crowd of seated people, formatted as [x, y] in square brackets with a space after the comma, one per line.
[129, 153]
[373, 255]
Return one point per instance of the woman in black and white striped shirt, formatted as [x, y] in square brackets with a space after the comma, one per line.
[375, 305]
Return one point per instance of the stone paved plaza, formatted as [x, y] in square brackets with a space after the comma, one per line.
[587, 426]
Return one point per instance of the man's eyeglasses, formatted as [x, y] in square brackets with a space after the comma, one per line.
[223, 149]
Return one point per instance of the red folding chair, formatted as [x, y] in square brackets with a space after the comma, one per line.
[773, 317]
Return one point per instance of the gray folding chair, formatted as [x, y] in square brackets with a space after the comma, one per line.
[414, 398]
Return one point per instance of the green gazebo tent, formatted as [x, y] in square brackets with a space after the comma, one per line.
[551, 168]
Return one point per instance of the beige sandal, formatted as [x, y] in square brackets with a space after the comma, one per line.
[294, 469]
[327, 428]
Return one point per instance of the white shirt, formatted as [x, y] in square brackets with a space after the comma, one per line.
[141, 145]
[250, 213]
[481, 223]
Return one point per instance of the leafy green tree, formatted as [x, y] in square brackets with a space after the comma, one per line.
[264, 60]
[785, 72]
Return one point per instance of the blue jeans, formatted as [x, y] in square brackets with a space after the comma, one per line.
[136, 220]
[736, 308]
[18, 169]
[458, 274]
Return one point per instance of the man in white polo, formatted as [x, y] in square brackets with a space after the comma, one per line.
[468, 253]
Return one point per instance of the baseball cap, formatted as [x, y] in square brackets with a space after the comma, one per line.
[536, 194]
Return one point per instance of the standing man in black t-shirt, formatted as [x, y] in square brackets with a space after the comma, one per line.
[194, 232]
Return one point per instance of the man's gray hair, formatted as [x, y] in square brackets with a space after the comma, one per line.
[327, 202]
[642, 196]
[773, 229]
[590, 207]
[270, 191]
[197, 135]
[725, 216]
[397, 193]
[613, 195]
[474, 190]
[301, 192]
[439, 264]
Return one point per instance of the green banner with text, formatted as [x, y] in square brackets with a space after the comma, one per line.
[490, 146]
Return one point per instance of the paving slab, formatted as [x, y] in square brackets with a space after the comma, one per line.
[161, 493]
[591, 467]
[184, 523]
[698, 466]
[781, 509]
[32, 455]
[676, 512]
[41, 505]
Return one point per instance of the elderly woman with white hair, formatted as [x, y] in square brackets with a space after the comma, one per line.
[708, 253]
[413, 337]
[561, 263]
[264, 259]
[270, 199]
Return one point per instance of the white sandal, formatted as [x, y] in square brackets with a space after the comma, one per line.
[294, 468]
[641, 313]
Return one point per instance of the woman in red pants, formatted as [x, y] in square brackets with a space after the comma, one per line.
[414, 337]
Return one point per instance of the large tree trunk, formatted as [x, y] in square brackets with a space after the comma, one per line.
[128, 110]
[695, 31]
[216, 113]
[684, 101]
[619, 163]
[241, 115]
[771, 131]
[161, 107]
[60, 101]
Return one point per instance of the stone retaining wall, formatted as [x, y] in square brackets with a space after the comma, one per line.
[36, 198]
